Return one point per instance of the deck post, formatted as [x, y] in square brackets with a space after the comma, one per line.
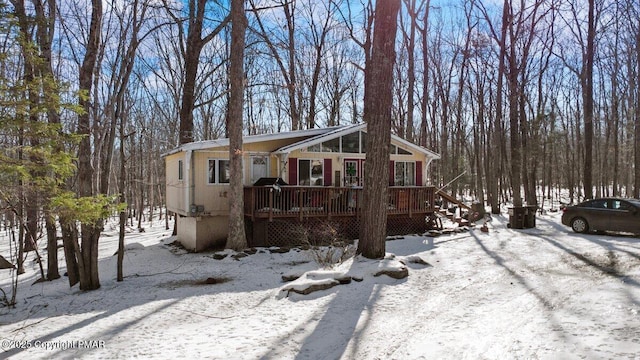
[329, 202]
[410, 201]
[300, 201]
[270, 205]
[252, 196]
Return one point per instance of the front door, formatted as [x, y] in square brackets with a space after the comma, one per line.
[353, 172]
[259, 168]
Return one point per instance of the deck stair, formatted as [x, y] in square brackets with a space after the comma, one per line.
[453, 216]
[451, 199]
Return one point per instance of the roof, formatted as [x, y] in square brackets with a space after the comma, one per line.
[314, 136]
[207, 144]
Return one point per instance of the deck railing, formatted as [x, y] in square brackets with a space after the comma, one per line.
[301, 201]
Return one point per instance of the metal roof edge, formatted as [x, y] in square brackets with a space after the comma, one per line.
[205, 144]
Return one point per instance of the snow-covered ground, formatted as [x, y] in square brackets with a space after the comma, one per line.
[542, 293]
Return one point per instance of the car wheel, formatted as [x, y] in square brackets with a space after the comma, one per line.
[579, 225]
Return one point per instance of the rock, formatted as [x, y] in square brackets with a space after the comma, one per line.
[315, 287]
[416, 260]
[290, 277]
[250, 251]
[239, 256]
[396, 274]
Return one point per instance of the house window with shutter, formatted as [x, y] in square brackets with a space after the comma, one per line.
[180, 170]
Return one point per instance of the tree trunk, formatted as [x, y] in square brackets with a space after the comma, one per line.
[424, 105]
[52, 246]
[122, 199]
[69, 241]
[377, 113]
[636, 122]
[195, 43]
[587, 102]
[89, 279]
[497, 159]
[237, 238]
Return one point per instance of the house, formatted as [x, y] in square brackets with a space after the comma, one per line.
[323, 171]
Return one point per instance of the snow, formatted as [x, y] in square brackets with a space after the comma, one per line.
[542, 293]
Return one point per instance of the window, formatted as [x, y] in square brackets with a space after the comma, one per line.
[180, 170]
[332, 145]
[351, 143]
[597, 204]
[622, 205]
[405, 173]
[218, 172]
[310, 172]
[400, 151]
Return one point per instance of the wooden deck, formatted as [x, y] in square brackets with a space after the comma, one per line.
[273, 211]
[302, 202]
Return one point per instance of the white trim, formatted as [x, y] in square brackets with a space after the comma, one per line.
[207, 144]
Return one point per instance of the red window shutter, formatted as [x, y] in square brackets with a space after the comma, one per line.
[293, 171]
[418, 173]
[392, 173]
[327, 172]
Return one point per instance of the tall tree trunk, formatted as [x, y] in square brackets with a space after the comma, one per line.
[31, 198]
[88, 263]
[319, 47]
[497, 140]
[45, 17]
[237, 237]
[195, 43]
[410, 40]
[377, 114]
[636, 123]
[122, 199]
[586, 80]
[424, 105]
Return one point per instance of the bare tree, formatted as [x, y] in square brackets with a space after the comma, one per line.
[87, 255]
[318, 41]
[586, 41]
[195, 41]
[377, 112]
[286, 63]
[237, 238]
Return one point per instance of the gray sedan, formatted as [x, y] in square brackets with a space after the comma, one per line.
[607, 214]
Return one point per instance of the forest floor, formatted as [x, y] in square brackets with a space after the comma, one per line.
[543, 293]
